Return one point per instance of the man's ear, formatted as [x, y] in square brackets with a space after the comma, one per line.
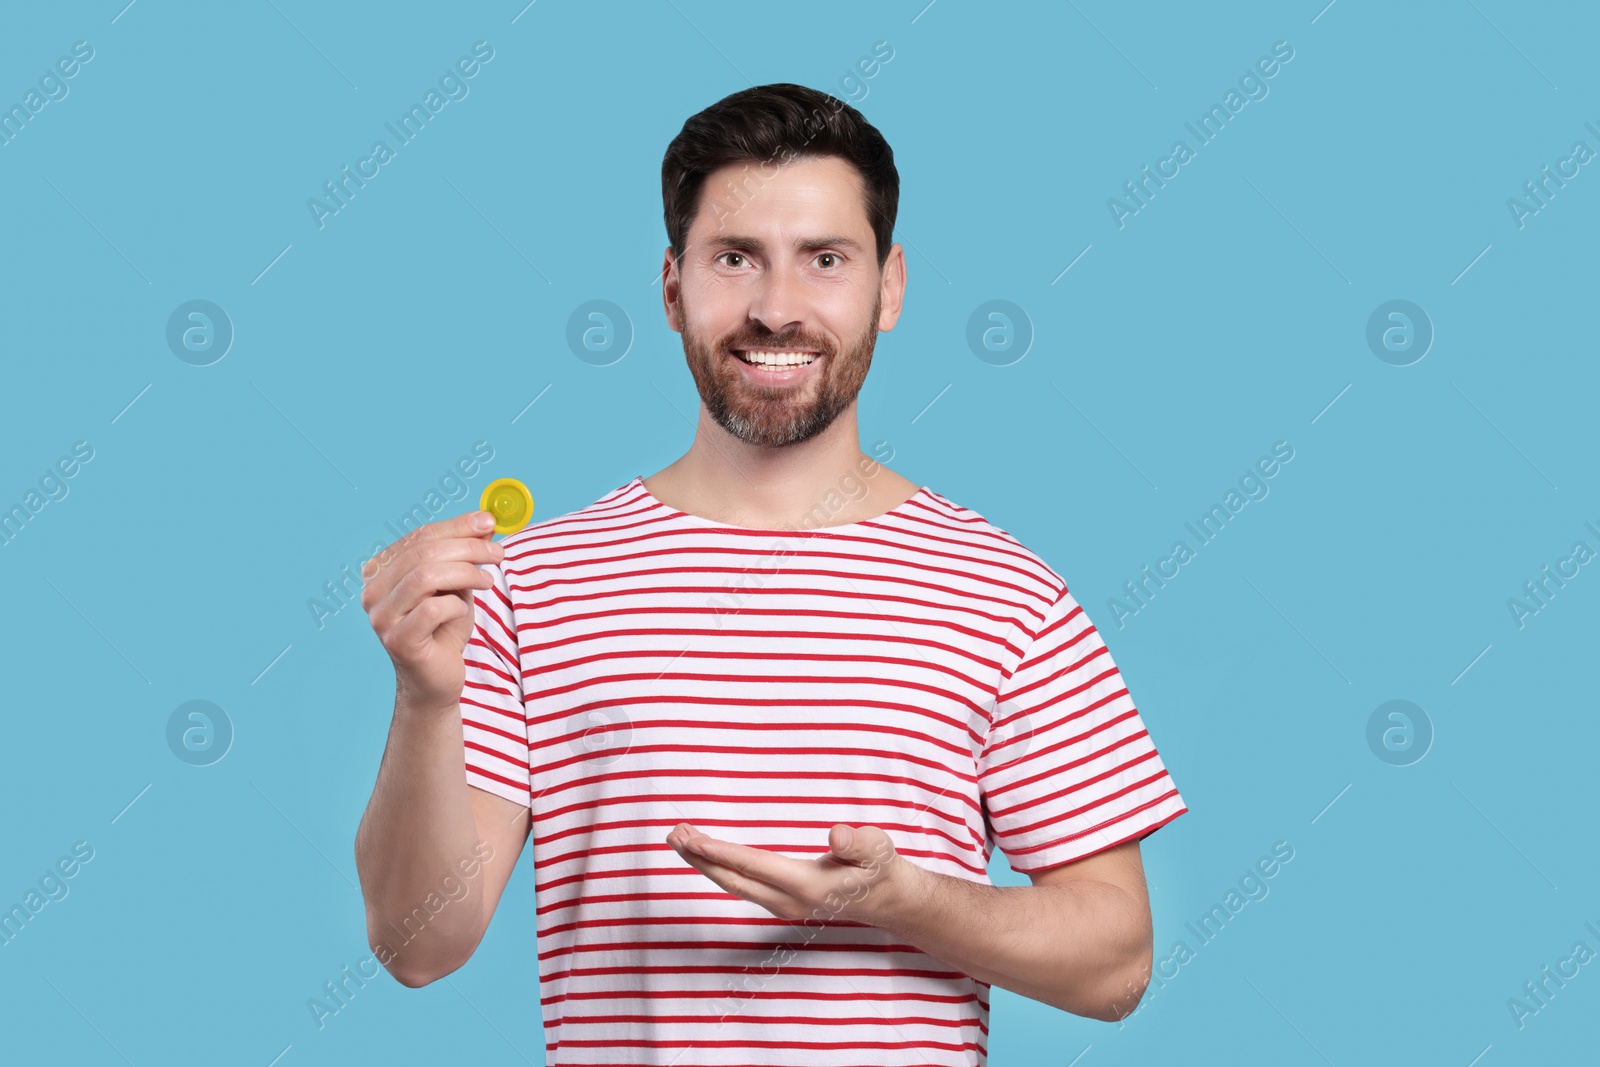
[670, 285]
[893, 291]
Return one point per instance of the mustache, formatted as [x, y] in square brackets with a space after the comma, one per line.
[776, 341]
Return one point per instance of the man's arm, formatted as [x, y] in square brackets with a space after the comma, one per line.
[433, 854]
[1078, 939]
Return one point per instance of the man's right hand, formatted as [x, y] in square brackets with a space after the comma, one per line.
[417, 594]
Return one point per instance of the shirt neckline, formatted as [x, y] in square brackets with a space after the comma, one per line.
[649, 498]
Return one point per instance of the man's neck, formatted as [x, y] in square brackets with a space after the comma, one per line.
[826, 481]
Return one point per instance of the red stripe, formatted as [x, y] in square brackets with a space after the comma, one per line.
[711, 947]
[1146, 755]
[639, 726]
[735, 656]
[787, 750]
[1099, 802]
[787, 774]
[742, 1043]
[782, 1020]
[1015, 695]
[1124, 817]
[475, 687]
[766, 994]
[480, 772]
[944, 974]
[691, 609]
[547, 814]
[1055, 769]
[483, 606]
[750, 701]
[585, 854]
[665, 824]
[507, 763]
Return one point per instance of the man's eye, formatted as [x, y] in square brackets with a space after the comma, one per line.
[829, 255]
[734, 255]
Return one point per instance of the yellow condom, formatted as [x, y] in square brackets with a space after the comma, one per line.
[509, 501]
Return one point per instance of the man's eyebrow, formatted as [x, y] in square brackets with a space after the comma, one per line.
[810, 244]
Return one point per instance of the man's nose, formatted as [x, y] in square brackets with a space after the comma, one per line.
[778, 303]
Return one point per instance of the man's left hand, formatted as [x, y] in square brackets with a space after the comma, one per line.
[859, 879]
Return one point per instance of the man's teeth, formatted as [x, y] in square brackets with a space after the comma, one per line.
[777, 359]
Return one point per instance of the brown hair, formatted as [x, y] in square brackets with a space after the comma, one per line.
[773, 125]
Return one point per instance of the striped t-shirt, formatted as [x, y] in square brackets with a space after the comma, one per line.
[634, 667]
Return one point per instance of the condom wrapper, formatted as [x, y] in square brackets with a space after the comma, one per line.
[509, 501]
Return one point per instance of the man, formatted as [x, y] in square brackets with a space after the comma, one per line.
[767, 712]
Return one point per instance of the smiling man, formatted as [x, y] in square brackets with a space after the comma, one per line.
[767, 713]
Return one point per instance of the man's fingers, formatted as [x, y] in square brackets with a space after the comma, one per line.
[421, 582]
[860, 846]
[750, 862]
[381, 573]
[415, 629]
[464, 525]
[757, 892]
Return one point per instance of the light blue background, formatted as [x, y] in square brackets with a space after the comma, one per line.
[1228, 314]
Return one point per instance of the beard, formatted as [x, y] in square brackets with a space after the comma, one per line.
[775, 416]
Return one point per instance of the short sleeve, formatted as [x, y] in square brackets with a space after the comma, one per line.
[493, 725]
[1067, 768]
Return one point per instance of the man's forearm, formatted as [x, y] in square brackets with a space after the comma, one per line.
[1081, 946]
[417, 827]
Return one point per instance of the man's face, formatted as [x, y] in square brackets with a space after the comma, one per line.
[782, 260]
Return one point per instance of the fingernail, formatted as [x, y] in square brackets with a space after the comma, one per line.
[482, 520]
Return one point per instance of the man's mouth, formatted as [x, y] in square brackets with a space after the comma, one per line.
[776, 358]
